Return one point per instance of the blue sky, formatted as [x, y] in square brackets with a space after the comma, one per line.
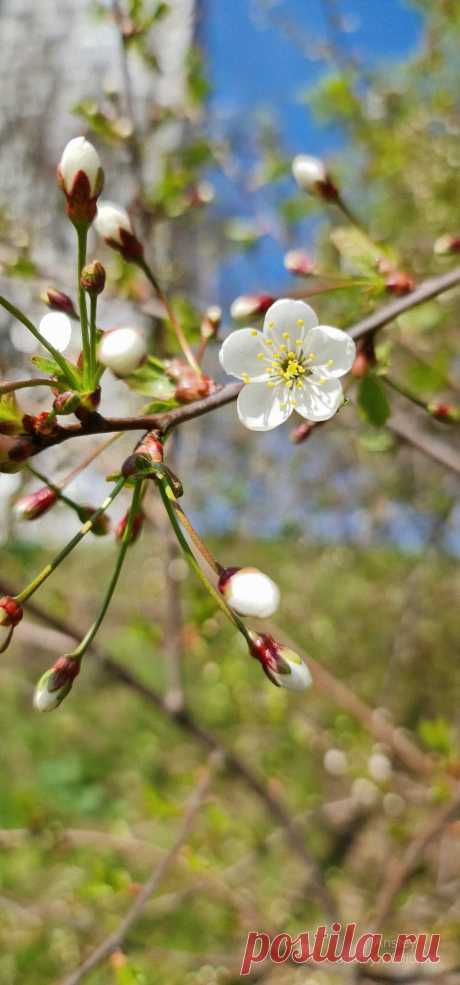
[257, 60]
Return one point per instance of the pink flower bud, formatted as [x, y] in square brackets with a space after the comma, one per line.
[11, 612]
[249, 592]
[66, 403]
[365, 357]
[443, 411]
[58, 301]
[250, 305]
[282, 665]
[446, 245]
[92, 278]
[138, 522]
[35, 504]
[192, 387]
[81, 178]
[299, 263]
[301, 432]
[55, 684]
[312, 176]
[114, 226]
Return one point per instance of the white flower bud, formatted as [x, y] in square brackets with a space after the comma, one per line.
[80, 155]
[249, 591]
[122, 350]
[282, 665]
[309, 171]
[55, 684]
[44, 699]
[379, 767]
[335, 762]
[250, 305]
[111, 219]
[364, 791]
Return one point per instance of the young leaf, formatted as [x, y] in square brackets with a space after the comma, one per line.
[373, 402]
[10, 415]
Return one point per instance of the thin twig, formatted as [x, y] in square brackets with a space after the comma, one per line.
[116, 939]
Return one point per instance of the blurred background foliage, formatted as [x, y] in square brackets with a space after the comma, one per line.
[361, 531]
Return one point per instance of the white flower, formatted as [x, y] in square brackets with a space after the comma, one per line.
[309, 171]
[250, 592]
[56, 328]
[111, 219]
[80, 155]
[122, 350]
[294, 364]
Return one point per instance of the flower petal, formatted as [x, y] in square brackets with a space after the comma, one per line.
[334, 350]
[319, 401]
[286, 321]
[239, 354]
[262, 408]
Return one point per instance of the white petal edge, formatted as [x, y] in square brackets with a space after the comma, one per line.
[319, 401]
[259, 407]
[294, 317]
[330, 343]
[238, 354]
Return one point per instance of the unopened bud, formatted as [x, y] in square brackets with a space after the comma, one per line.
[14, 452]
[138, 522]
[35, 504]
[446, 245]
[122, 350]
[115, 227]
[40, 424]
[282, 665]
[192, 387]
[66, 403]
[399, 282]
[299, 263]
[58, 301]
[92, 278]
[81, 178]
[312, 176]
[365, 357]
[211, 322]
[250, 306]
[301, 432]
[101, 526]
[11, 612]
[444, 411]
[56, 683]
[249, 592]
[149, 452]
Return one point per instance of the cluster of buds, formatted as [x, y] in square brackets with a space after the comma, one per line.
[81, 178]
[114, 226]
[211, 322]
[397, 282]
[283, 666]
[42, 425]
[58, 301]
[122, 350]
[312, 176]
[56, 683]
[250, 306]
[444, 412]
[34, 505]
[137, 524]
[447, 245]
[249, 592]
[149, 452]
[92, 278]
[365, 357]
[11, 614]
[299, 263]
[190, 385]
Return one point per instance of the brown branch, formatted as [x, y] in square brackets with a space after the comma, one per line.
[430, 288]
[409, 429]
[400, 870]
[114, 941]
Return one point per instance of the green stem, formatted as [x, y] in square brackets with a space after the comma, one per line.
[195, 537]
[187, 351]
[169, 501]
[82, 235]
[67, 370]
[126, 540]
[93, 336]
[400, 388]
[86, 527]
[9, 386]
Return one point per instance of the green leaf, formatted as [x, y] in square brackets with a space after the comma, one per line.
[372, 401]
[52, 369]
[10, 415]
[358, 252]
[152, 383]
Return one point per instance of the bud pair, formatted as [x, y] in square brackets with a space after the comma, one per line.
[81, 178]
[283, 666]
[56, 683]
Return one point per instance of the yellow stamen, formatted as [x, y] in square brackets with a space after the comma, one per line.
[254, 331]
